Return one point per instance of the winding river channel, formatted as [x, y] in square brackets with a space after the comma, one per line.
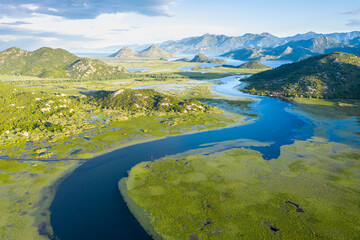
[88, 204]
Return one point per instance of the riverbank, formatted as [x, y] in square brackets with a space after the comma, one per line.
[27, 190]
[139, 213]
[296, 194]
[309, 190]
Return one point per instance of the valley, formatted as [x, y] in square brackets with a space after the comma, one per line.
[147, 144]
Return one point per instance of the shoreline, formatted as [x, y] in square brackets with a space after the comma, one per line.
[137, 211]
[47, 196]
[239, 122]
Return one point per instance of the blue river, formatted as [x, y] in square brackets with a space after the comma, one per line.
[88, 204]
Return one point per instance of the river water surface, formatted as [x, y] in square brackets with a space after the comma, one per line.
[88, 204]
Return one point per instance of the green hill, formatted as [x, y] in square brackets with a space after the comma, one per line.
[146, 100]
[253, 65]
[94, 69]
[25, 111]
[250, 65]
[54, 63]
[201, 58]
[334, 75]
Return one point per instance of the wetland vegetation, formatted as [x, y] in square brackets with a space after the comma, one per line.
[71, 118]
[51, 123]
[310, 191]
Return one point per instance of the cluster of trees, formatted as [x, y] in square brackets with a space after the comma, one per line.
[147, 100]
[29, 111]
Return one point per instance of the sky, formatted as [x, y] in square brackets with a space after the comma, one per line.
[96, 25]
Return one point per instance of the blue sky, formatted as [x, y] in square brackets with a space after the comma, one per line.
[87, 25]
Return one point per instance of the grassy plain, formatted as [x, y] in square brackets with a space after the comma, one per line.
[310, 191]
[26, 191]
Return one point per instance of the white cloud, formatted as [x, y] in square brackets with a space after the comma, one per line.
[31, 7]
[104, 30]
[85, 9]
[52, 10]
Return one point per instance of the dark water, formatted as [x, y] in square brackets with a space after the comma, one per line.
[88, 204]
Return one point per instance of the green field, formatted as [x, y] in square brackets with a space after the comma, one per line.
[57, 118]
[310, 191]
[26, 191]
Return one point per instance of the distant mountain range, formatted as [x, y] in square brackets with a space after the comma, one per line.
[55, 63]
[334, 75]
[220, 44]
[150, 52]
[297, 50]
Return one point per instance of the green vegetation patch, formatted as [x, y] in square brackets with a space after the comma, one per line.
[147, 100]
[26, 191]
[26, 111]
[331, 76]
[55, 63]
[36, 124]
[310, 191]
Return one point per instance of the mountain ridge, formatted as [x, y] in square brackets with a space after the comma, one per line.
[153, 51]
[46, 62]
[219, 44]
[294, 50]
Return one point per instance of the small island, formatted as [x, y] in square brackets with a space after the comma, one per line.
[201, 58]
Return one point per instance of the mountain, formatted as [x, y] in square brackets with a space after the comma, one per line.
[54, 63]
[355, 42]
[153, 51]
[93, 69]
[344, 36]
[295, 50]
[316, 45]
[201, 58]
[341, 37]
[125, 53]
[156, 52]
[334, 75]
[304, 36]
[218, 44]
[253, 65]
[14, 61]
[245, 54]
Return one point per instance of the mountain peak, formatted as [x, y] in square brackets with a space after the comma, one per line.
[153, 48]
[155, 51]
[202, 58]
[125, 53]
